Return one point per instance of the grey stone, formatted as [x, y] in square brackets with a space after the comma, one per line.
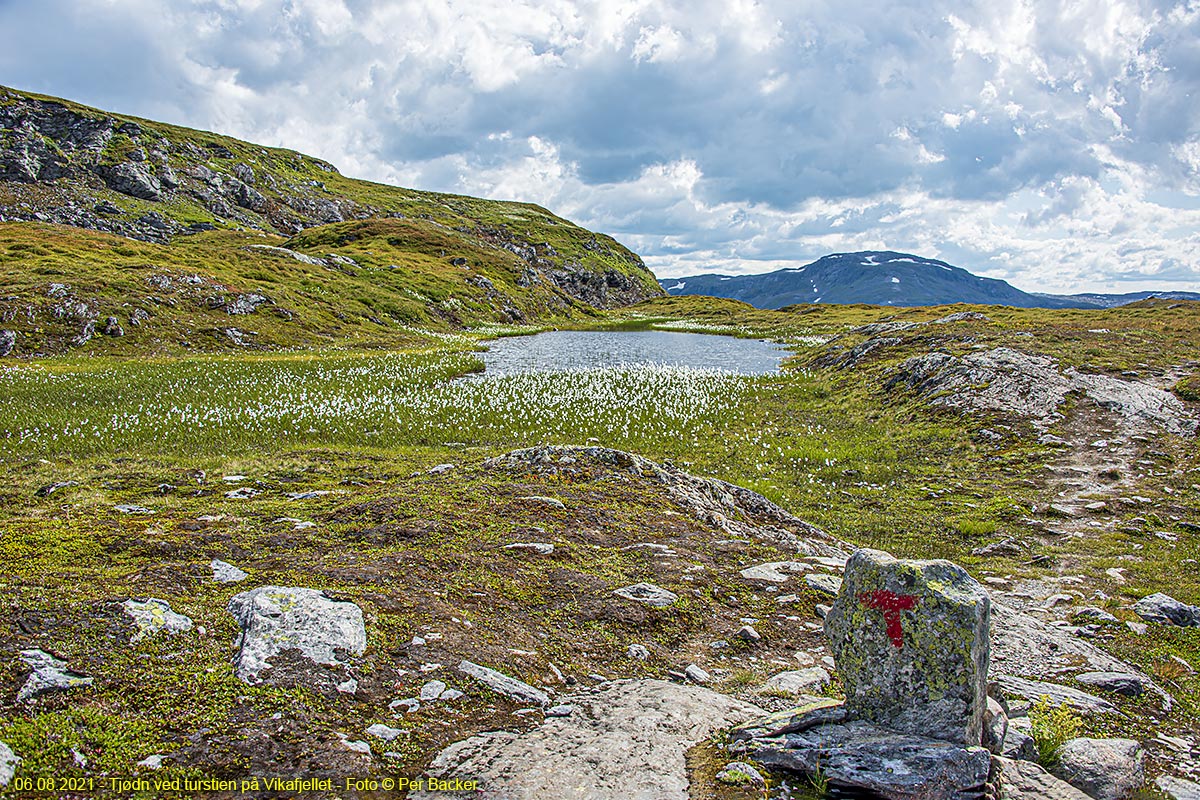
[811, 713]
[647, 593]
[1026, 780]
[132, 509]
[1105, 769]
[1058, 694]
[135, 180]
[551, 502]
[224, 572]
[503, 684]
[541, 548]
[638, 651]
[8, 340]
[995, 726]
[625, 739]
[696, 675]
[1019, 745]
[895, 765]
[50, 674]
[154, 616]
[560, 710]
[8, 764]
[243, 493]
[1166, 610]
[1119, 682]
[385, 732]
[1174, 788]
[112, 327]
[910, 639]
[796, 682]
[432, 691]
[739, 773]
[775, 571]
[277, 618]
[824, 584]
[747, 634]
[152, 762]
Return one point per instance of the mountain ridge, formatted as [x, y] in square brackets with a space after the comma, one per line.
[886, 277]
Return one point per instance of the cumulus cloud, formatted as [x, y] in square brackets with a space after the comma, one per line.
[1051, 144]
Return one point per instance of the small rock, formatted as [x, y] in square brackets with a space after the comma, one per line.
[132, 509]
[153, 616]
[1105, 769]
[696, 675]
[1023, 779]
[1034, 690]
[544, 501]
[1119, 682]
[747, 634]
[1099, 505]
[8, 764]
[995, 726]
[775, 571]
[432, 691]
[638, 652]
[541, 548]
[381, 731]
[406, 705]
[224, 572]
[355, 746]
[307, 495]
[112, 327]
[1019, 745]
[824, 584]
[796, 682]
[1166, 610]
[560, 710]
[46, 491]
[647, 593]
[243, 493]
[440, 469]
[1174, 788]
[1095, 615]
[503, 684]
[50, 674]
[739, 773]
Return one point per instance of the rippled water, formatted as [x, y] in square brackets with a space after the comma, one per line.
[563, 350]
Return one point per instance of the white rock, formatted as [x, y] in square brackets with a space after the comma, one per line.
[696, 675]
[638, 651]
[541, 548]
[775, 571]
[381, 731]
[795, 682]
[244, 493]
[407, 705]
[503, 684]
[432, 691]
[647, 593]
[50, 674]
[8, 764]
[151, 762]
[1175, 788]
[224, 572]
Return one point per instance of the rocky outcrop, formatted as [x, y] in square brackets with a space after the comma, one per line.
[1104, 769]
[50, 674]
[624, 739]
[1166, 610]
[277, 619]
[155, 616]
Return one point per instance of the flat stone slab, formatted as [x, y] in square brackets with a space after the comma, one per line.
[50, 674]
[1026, 780]
[1119, 682]
[910, 639]
[1104, 769]
[503, 684]
[224, 572]
[796, 682]
[647, 593]
[155, 616]
[775, 571]
[1166, 610]
[824, 584]
[625, 739]
[897, 766]
[278, 618]
[1175, 788]
[8, 764]
[1058, 694]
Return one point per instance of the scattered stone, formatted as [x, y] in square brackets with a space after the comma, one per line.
[307, 495]
[1095, 615]
[432, 691]
[545, 501]
[8, 340]
[1119, 682]
[354, 746]
[243, 493]
[50, 674]
[8, 764]
[277, 618]
[1024, 779]
[1035, 690]
[224, 572]
[440, 469]
[153, 616]
[648, 593]
[46, 491]
[503, 684]
[696, 675]
[541, 548]
[381, 731]
[406, 705]
[1105, 769]
[625, 739]
[1006, 547]
[112, 327]
[747, 634]
[348, 686]
[133, 509]
[824, 584]
[739, 773]
[1174, 788]
[638, 651]
[1099, 505]
[560, 710]
[775, 571]
[1166, 610]
[796, 682]
[911, 643]
[1019, 745]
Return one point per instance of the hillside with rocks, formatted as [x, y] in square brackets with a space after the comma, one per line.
[111, 225]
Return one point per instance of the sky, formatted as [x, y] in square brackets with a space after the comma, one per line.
[1052, 144]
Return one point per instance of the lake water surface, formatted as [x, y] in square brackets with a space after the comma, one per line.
[563, 350]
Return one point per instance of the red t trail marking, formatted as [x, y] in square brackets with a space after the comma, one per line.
[891, 604]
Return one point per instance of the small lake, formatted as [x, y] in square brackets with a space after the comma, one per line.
[563, 350]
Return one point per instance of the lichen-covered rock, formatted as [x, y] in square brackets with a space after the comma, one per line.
[739, 773]
[1175, 788]
[1166, 610]
[276, 618]
[153, 616]
[910, 639]
[1105, 769]
[50, 674]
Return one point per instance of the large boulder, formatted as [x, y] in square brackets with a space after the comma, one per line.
[1105, 769]
[910, 639]
[1166, 610]
[275, 619]
[624, 739]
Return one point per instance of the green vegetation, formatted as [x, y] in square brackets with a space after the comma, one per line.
[1053, 725]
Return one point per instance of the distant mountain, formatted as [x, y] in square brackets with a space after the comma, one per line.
[886, 278]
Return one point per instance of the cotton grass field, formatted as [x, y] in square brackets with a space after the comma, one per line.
[388, 400]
